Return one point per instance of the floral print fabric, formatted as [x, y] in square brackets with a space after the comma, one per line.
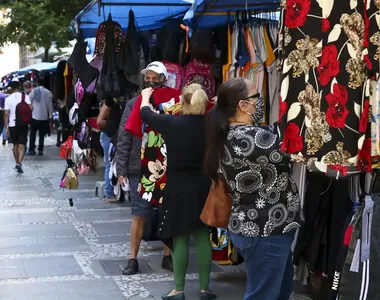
[329, 52]
[265, 197]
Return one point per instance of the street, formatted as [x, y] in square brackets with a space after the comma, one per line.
[51, 251]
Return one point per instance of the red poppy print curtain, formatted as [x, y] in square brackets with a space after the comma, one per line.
[329, 52]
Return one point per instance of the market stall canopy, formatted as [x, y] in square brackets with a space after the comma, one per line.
[213, 13]
[150, 14]
[43, 66]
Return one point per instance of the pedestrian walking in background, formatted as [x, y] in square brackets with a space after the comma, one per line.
[187, 186]
[18, 114]
[42, 102]
[2, 127]
[266, 205]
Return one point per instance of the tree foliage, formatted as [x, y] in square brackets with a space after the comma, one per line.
[38, 23]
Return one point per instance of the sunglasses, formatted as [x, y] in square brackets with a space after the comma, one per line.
[255, 96]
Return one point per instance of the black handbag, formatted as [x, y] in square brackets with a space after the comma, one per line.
[151, 225]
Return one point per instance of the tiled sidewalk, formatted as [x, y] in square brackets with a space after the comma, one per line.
[51, 251]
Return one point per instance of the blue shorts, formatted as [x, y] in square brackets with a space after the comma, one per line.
[140, 207]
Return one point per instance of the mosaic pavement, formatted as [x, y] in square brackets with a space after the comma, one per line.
[52, 251]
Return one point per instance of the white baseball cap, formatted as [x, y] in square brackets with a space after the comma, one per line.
[156, 67]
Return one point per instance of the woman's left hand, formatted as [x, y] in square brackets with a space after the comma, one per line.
[147, 93]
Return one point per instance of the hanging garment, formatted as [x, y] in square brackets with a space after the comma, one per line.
[101, 36]
[97, 63]
[358, 280]
[112, 81]
[274, 82]
[226, 67]
[376, 116]
[168, 46]
[324, 91]
[153, 148]
[269, 49]
[59, 80]
[345, 240]
[234, 49]
[327, 204]
[374, 259]
[81, 67]
[132, 50]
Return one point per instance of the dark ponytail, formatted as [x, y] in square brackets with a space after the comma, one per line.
[229, 95]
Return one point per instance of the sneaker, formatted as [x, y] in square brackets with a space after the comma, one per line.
[132, 268]
[19, 169]
[4, 142]
[167, 263]
[31, 153]
[40, 153]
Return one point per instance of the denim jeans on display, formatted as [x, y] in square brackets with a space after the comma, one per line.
[269, 265]
[105, 141]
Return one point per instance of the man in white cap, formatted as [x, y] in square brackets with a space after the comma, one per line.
[128, 164]
[155, 74]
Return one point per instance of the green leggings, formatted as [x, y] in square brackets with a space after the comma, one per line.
[203, 255]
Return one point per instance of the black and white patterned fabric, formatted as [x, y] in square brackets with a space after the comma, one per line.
[265, 197]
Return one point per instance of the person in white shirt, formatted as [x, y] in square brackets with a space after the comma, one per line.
[28, 87]
[18, 134]
[42, 102]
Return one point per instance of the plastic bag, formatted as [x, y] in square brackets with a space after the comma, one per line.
[76, 153]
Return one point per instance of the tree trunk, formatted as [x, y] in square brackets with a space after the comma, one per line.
[46, 56]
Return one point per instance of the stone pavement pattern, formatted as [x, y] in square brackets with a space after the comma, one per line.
[51, 251]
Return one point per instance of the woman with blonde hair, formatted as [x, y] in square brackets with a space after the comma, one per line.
[187, 187]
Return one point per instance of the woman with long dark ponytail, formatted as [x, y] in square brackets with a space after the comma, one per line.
[266, 205]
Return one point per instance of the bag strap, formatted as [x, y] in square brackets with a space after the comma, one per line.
[23, 97]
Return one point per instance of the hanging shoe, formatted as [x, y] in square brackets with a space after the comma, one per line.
[132, 268]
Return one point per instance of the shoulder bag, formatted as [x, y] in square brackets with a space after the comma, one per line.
[217, 209]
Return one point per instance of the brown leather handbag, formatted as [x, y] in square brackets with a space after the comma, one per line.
[217, 209]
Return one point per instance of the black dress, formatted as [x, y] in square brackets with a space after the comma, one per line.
[187, 186]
